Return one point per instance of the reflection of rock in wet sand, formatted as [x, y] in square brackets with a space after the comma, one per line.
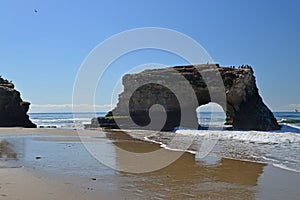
[71, 173]
[6, 151]
[238, 172]
[188, 178]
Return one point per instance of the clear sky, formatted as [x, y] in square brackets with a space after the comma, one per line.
[42, 51]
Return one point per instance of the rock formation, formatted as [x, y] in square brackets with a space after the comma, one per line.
[12, 108]
[243, 105]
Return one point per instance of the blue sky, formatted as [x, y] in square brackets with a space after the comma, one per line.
[42, 51]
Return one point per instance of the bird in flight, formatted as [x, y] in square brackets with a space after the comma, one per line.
[35, 11]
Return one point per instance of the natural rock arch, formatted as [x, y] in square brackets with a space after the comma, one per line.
[244, 107]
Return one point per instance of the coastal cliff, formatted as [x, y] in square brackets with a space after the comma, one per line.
[13, 110]
[244, 107]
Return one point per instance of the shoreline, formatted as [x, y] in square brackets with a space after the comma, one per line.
[59, 175]
[75, 135]
[60, 134]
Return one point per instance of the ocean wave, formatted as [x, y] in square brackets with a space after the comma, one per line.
[281, 166]
[61, 120]
[64, 123]
[289, 121]
[246, 136]
[278, 148]
[291, 127]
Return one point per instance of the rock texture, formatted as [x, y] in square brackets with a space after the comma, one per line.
[12, 108]
[244, 107]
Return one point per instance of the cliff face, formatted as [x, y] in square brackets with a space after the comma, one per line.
[243, 105]
[12, 108]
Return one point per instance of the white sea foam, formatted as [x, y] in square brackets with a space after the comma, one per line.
[291, 126]
[279, 148]
[62, 123]
[281, 166]
[274, 137]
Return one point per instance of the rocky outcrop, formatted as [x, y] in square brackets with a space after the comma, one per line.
[243, 105]
[12, 108]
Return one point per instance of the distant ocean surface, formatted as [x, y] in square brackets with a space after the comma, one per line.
[70, 120]
[63, 120]
[280, 148]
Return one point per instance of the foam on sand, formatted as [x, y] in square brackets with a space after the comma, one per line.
[274, 137]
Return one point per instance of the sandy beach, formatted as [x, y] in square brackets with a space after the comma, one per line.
[53, 164]
[158, 100]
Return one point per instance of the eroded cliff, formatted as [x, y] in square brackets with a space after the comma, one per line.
[13, 110]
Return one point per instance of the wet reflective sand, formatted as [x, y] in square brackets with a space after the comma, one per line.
[58, 158]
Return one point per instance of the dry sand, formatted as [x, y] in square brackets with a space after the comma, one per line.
[186, 178]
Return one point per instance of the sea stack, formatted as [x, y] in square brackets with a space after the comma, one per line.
[244, 107]
[13, 110]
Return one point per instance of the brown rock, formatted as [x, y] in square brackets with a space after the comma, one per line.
[244, 107]
[13, 110]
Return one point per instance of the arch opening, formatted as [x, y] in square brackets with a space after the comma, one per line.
[211, 116]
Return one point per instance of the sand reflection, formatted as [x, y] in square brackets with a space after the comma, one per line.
[188, 178]
[6, 150]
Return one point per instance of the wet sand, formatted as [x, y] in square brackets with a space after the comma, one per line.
[53, 164]
[21, 183]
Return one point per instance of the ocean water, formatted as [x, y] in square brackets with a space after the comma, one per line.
[77, 120]
[63, 120]
[288, 118]
[280, 148]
